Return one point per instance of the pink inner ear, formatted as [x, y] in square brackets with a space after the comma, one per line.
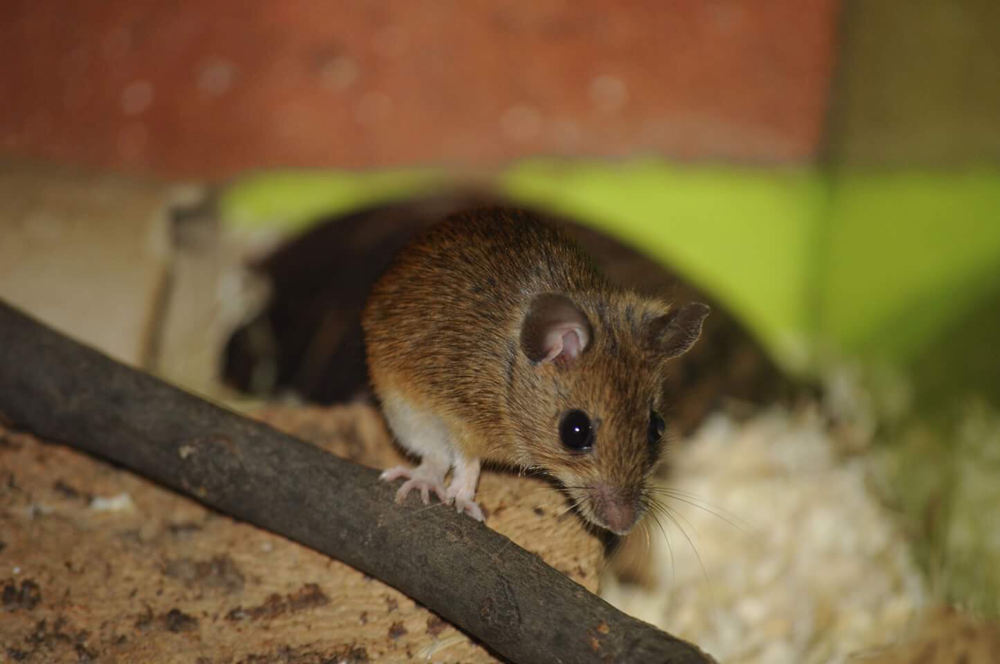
[567, 341]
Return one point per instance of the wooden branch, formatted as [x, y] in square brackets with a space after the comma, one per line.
[472, 576]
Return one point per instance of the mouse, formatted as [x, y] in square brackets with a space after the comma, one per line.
[493, 338]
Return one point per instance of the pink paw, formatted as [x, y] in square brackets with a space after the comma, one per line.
[415, 480]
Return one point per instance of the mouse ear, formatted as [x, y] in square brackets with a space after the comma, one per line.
[674, 333]
[554, 328]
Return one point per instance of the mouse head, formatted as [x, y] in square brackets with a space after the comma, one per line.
[593, 386]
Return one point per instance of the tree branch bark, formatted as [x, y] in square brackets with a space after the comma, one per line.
[474, 577]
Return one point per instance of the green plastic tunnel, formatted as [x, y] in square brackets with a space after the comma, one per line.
[864, 264]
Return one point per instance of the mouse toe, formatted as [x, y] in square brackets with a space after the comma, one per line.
[469, 507]
[425, 486]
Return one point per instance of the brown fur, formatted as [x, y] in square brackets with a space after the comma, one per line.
[443, 326]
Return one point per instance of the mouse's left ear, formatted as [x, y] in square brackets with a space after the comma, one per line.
[555, 328]
[674, 333]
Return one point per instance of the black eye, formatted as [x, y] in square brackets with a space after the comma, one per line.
[656, 428]
[576, 431]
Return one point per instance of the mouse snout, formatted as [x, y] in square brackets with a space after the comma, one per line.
[614, 510]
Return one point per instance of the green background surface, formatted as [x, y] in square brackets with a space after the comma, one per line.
[869, 264]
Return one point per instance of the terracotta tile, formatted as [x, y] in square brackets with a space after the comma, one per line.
[86, 254]
[203, 89]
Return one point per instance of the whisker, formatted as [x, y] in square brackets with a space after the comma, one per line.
[575, 487]
[680, 515]
[655, 515]
[538, 490]
[741, 525]
[649, 539]
[573, 503]
[432, 504]
[704, 571]
[681, 493]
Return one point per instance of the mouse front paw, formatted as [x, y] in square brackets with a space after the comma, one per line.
[463, 487]
[416, 478]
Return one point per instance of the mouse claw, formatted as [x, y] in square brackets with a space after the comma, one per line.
[469, 507]
[395, 473]
[416, 478]
[425, 487]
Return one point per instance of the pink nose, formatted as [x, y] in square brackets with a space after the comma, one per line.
[616, 513]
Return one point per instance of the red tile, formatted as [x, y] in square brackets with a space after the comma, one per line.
[206, 88]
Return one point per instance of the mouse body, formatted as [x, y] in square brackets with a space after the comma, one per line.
[493, 338]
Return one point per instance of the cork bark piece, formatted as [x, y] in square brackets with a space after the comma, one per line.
[87, 253]
[97, 562]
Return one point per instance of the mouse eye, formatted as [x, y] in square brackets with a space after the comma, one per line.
[656, 428]
[576, 431]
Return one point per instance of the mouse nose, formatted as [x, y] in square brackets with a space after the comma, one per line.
[616, 512]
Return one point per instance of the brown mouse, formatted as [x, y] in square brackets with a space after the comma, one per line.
[493, 338]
